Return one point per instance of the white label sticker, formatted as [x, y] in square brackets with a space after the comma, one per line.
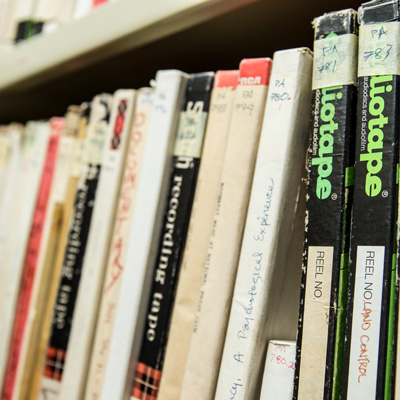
[364, 347]
[190, 134]
[379, 49]
[279, 370]
[335, 61]
[96, 142]
[316, 322]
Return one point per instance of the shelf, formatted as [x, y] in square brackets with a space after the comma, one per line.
[93, 55]
[112, 29]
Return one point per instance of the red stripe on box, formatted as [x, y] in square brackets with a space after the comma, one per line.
[226, 79]
[255, 71]
[30, 265]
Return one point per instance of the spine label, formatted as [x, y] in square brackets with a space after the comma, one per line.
[318, 291]
[366, 321]
[379, 49]
[335, 61]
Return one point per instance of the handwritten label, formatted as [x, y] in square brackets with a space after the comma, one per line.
[279, 358]
[145, 98]
[248, 312]
[365, 332]
[252, 296]
[335, 61]
[191, 129]
[280, 92]
[160, 105]
[96, 142]
[279, 370]
[264, 217]
[236, 386]
[379, 49]
[281, 355]
[245, 103]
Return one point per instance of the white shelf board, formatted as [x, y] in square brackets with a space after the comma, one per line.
[112, 29]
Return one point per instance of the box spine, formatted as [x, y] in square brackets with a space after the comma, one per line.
[228, 224]
[200, 226]
[96, 252]
[144, 236]
[119, 245]
[71, 271]
[74, 119]
[37, 134]
[269, 226]
[330, 159]
[67, 290]
[45, 266]
[14, 163]
[29, 269]
[366, 361]
[186, 161]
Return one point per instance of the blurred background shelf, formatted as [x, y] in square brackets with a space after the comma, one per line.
[124, 43]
